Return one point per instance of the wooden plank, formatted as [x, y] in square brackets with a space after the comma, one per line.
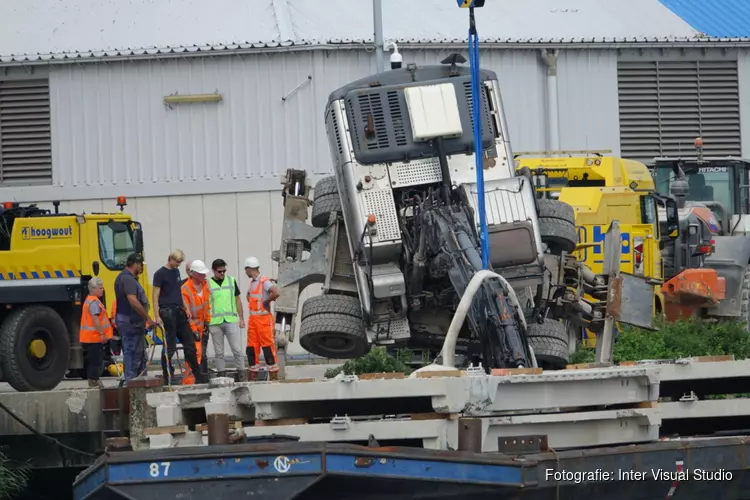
[172, 429]
[280, 421]
[232, 425]
[713, 359]
[696, 359]
[383, 375]
[295, 381]
[587, 366]
[434, 416]
[441, 373]
[504, 372]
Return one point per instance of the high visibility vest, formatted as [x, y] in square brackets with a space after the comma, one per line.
[89, 333]
[223, 302]
[255, 298]
[199, 305]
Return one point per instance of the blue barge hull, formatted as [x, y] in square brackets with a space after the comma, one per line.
[710, 468]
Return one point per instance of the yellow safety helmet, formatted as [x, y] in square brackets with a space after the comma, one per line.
[115, 369]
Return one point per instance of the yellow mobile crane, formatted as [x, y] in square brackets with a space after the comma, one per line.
[602, 188]
[46, 261]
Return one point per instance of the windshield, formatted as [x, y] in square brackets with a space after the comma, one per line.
[712, 183]
[115, 244]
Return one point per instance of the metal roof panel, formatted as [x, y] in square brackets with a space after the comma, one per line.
[77, 29]
[716, 18]
[518, 20]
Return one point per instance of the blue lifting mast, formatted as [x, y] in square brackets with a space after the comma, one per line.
[477, 111]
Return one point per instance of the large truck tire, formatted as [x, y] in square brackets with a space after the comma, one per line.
[34, 349]
[549, 340]
[557, 226]
[331, 326]
[331, 304]
[325, 201]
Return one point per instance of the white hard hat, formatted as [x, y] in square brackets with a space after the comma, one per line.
[197, 266]
[252, 263]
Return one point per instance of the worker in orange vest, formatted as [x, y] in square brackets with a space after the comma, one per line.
[260, 324]
[96, 330]
[197, 299]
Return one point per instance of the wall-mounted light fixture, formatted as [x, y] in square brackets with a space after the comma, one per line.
[191, 98]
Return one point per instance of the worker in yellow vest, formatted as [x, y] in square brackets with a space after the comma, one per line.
[260, 324]
[96, 330]
[197, 299]
[227, 319]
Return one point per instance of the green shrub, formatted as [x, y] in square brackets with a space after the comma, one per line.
[680, 339]
[13, 479]
[376, 361]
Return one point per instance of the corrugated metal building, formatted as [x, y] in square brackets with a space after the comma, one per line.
[83, 82]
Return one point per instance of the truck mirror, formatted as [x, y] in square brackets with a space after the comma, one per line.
[673, 219]
[138, 238]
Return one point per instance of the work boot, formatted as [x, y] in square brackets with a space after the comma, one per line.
[273, 372]
[95, 384]
[222, 373]
[241, 375]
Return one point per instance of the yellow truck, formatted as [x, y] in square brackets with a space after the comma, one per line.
[46, 261]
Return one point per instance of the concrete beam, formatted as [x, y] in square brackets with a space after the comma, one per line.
[576, 430]
[685, 370]
[439, 434]
[563, 430]
[714, 408]
[471, 395]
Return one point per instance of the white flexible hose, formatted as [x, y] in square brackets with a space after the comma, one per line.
[449, 345]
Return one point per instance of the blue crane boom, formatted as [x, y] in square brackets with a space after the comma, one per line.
[476, 108]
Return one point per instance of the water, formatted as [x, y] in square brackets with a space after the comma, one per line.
[50, 484]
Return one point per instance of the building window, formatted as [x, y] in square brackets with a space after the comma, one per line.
[665, 105]
[25, 144]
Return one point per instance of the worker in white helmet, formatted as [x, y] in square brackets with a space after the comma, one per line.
[187, 271]
[260, 323]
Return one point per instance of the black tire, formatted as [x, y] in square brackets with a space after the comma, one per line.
[551, 354]
[332, 304]
[23, 372]
[325, 202]
[549, 329]
[557, 226]
[325, 186]
[555, 209]
[549, 341]
[334, 336]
